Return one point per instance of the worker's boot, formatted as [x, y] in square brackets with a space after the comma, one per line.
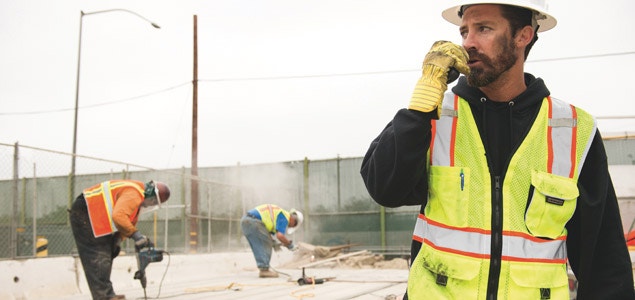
[268, 274]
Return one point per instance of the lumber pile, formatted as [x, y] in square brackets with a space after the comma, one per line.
[338, 256]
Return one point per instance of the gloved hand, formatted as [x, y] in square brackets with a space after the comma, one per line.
[140, 240]
[428, 93]
[292, 246]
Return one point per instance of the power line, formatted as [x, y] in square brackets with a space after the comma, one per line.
[615, 117]
[307, 76]
[583, 56]
[94, 105]
[291, 77]
[394, 71]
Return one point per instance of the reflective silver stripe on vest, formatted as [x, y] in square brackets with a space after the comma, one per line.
[476, 243]
[441, 143]
[105, 186]
[273, 222]
[562, 125]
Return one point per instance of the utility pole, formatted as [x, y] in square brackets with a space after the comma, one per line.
[194, 180]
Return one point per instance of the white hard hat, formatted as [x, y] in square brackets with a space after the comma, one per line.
[299, 218]
[539, 7]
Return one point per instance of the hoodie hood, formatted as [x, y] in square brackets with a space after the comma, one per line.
[535, 92]
[503, 125]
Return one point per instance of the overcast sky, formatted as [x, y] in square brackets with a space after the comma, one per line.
[279, 80]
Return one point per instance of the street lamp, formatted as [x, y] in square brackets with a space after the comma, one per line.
[79, 56]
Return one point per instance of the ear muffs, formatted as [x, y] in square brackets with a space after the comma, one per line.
[149, 190]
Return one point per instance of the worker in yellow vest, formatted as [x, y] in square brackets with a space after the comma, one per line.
[101, 217]
[513, 184]
[266, 226]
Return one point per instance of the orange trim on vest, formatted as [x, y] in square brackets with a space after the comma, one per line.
[550, 154]
[433, 135]
[524, 236]
[271, 209]
[487, 256]
[549, 139]
[433, 132]
[453, 137]
[488, 232]
[574, 138]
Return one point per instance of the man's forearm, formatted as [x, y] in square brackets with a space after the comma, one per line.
[395, 164]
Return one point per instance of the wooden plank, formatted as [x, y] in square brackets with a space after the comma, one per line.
[333, 258]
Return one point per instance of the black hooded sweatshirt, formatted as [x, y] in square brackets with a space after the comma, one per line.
[394, 171]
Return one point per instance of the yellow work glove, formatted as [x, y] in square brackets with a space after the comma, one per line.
[428, 93]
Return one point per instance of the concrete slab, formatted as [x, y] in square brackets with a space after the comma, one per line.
[230, 275]
[215, 276]
[39, 278]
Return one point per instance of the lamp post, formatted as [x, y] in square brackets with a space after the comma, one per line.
[79, 58]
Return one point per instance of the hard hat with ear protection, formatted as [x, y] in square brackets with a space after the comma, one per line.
[158, 189]
[162, 191]
[299, 217]
[539, 8]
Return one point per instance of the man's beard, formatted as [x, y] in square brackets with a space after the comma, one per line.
[482, 76]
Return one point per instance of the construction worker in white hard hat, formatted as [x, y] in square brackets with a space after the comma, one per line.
[513, 183]
[266, 227]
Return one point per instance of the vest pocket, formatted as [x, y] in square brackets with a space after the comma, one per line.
[538, 281]
[448, 196]
[439, 275]
[451, 265]
[552, 202]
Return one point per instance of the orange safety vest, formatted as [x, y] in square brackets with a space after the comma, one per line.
[101, 199]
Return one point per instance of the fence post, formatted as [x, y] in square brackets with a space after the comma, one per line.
[166, 228]
[14, 218]
[339, 185]
[209, 221]
[185, 221]
[34, 221]
[382, 225]
[305, 187]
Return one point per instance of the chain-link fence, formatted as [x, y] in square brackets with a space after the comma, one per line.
[37, 188]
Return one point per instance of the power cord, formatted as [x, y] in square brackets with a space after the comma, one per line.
[283, 273]
[164, 273]
[162, 278]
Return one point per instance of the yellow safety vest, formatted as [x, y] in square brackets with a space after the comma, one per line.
[269, 214]
[455, 229]
[100, 201]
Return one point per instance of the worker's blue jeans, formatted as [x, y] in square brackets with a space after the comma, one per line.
[259, 239]
[96, 254]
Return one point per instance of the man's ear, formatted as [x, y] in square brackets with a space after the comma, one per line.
[524, 37]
